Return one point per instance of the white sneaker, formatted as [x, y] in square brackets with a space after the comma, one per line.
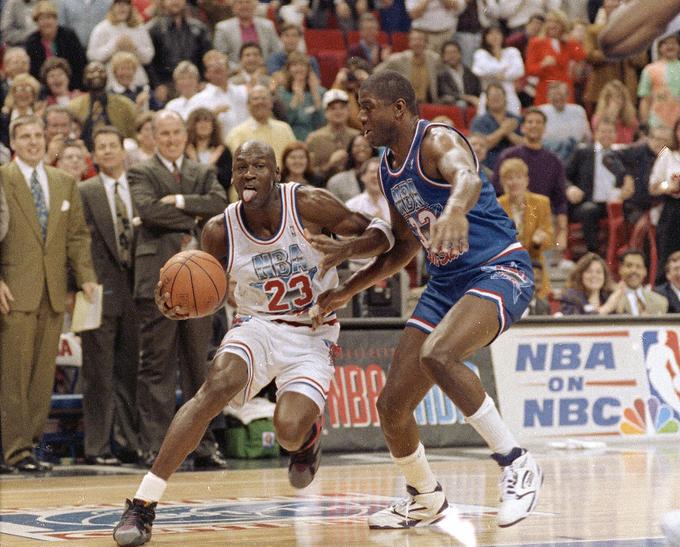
[670, 526]
[520, 483]
[415, 511]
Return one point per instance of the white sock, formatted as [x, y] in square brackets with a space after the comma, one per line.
[489, 424]
[151, 488]
[417, 470]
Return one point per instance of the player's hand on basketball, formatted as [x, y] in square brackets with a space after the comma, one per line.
[326, 303]
[335, 251]
[450, 232]
[163, 303]
[5, 298]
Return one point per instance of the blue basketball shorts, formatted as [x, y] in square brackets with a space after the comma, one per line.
[507, 281]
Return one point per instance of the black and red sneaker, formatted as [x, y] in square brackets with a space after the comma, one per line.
[135, 525]
[304, 463]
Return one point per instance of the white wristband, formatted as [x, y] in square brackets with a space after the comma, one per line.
[384, 227]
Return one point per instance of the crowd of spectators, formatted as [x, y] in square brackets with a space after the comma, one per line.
[574, 143]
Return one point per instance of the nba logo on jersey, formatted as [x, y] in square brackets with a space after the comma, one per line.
[662, 363]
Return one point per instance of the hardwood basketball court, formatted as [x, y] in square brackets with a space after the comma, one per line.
[611, 496]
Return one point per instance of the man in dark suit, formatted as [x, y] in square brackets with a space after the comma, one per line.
[592, 185]
[174, 196]
[111, 352]
[47, 232]
[671, 289]
[637, 161]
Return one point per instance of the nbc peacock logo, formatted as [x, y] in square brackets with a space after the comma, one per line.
[648, 418]
[662, 364]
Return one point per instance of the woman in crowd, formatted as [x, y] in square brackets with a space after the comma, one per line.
[493, 62]
[296, 165]
[21, 100]
[122, 30]
[204, 144]
[143, 146]
[614, 103]
[371, 202]
[73, 159]
[301, 95]
[589, 288]
[551, 56]
[345, 184]
[531, 214]
[665, 182]
[55, 75]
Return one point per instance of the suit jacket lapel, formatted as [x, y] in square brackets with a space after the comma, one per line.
[101, 212]
[18, 186]
[58, 199]
[167, 177]
[188, 181]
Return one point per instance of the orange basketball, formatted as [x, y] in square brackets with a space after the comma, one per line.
[196, 281]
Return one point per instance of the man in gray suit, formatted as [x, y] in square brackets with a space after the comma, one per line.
[111, 352]
[174, 196]
[231, 33]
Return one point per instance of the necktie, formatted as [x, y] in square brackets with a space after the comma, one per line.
[176, 173]
[40, 205]
[123, 228]
[642, 308]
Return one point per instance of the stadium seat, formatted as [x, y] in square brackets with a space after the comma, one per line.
[432, 110]
[399, 41]
[330, 62]
[324, 39]
[353, 38]
[643, 238]
[617, 233]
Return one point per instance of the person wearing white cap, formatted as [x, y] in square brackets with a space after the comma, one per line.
[328, 145]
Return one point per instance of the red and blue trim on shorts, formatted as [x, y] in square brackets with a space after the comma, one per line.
[506, 280]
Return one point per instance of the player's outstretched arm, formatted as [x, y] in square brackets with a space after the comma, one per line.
[634, 26]
[448, 154]
[320, 210]
[405, 248]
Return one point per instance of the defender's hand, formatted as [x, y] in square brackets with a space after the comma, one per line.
[163, 303]
[450, 232]
[326, 303]
[335, 251]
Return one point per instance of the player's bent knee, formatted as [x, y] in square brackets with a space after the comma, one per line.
[289, 432]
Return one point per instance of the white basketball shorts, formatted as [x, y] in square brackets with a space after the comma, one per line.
[301, 359]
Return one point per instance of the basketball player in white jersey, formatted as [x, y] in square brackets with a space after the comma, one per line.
[261, 241]
[636, 24]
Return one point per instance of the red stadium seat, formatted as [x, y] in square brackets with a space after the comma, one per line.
[432, 110]
[399, 41]
[644, 238]
[330, 62]
[353, 38]
[324, 39]
[617, 233]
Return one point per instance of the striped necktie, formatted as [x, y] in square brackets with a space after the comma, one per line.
[123, 227]
[40, 204]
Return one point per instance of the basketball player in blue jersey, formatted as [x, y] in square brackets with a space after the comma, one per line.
[480, 282]
[262, 240]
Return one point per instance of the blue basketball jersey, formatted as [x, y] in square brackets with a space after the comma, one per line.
[421, 200]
